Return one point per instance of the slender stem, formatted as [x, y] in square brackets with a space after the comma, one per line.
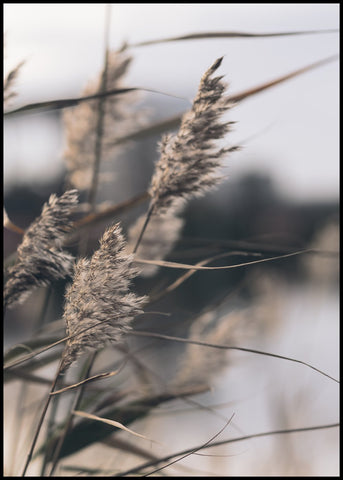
[35, 438]
[18, 423]
[99, 133]
[93, 218]
[68, 424]
[147, 218]
[50, 426]
[101, 117]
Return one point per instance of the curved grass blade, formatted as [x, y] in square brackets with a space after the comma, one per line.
[184, 266]
[72, 102]
[87, 432]
[238, 97]
[113, 423]
[7, 223]
[188, 274]
[227, 347]
[209, 35]
[206, 444]
[87, 380]
[224, 442]
[174, 122]
[29, 345]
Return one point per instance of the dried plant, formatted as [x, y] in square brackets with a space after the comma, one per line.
[99, 306]
[80, 124]
[100, 303]
[41, 258]
[189, 161]
[9, 82]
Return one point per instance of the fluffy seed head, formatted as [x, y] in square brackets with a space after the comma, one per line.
[81, 123]
[9, 82]
[99, 306]
[190, 159]
[40, 256]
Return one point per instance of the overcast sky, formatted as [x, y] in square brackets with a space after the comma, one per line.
[296, 124]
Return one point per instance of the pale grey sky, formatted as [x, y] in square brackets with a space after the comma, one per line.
[297, 122]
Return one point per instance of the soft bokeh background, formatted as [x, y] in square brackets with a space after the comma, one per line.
[63, 45]
[284, 183]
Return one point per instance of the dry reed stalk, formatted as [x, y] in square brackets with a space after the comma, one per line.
[40, 258]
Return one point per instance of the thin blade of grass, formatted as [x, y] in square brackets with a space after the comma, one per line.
[208, 35]
[87, 433]
[188, 274]
[72, 102]
[174, 122]
[29, 345]
[225, 442]
[206, 444]
[113, 423]
[33, 354]
[51, 345]
[87, 380]
[121, 444]
[117, 209]
[227, 347]
[24, 375]
[7, 223]
[238, 97]
[184, 266]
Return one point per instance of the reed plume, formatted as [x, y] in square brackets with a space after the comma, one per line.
[11, 77]
[189, 161]
[99, 306]
[41, 258]
[81, 124]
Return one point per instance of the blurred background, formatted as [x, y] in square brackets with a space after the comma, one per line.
[281, 194]
[63, 47]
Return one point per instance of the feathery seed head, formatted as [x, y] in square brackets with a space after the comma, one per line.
[81, 123]
[9, 82]
[99, 306]
[189, 160]
[40, 256]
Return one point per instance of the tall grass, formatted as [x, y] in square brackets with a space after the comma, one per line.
[119, 368]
